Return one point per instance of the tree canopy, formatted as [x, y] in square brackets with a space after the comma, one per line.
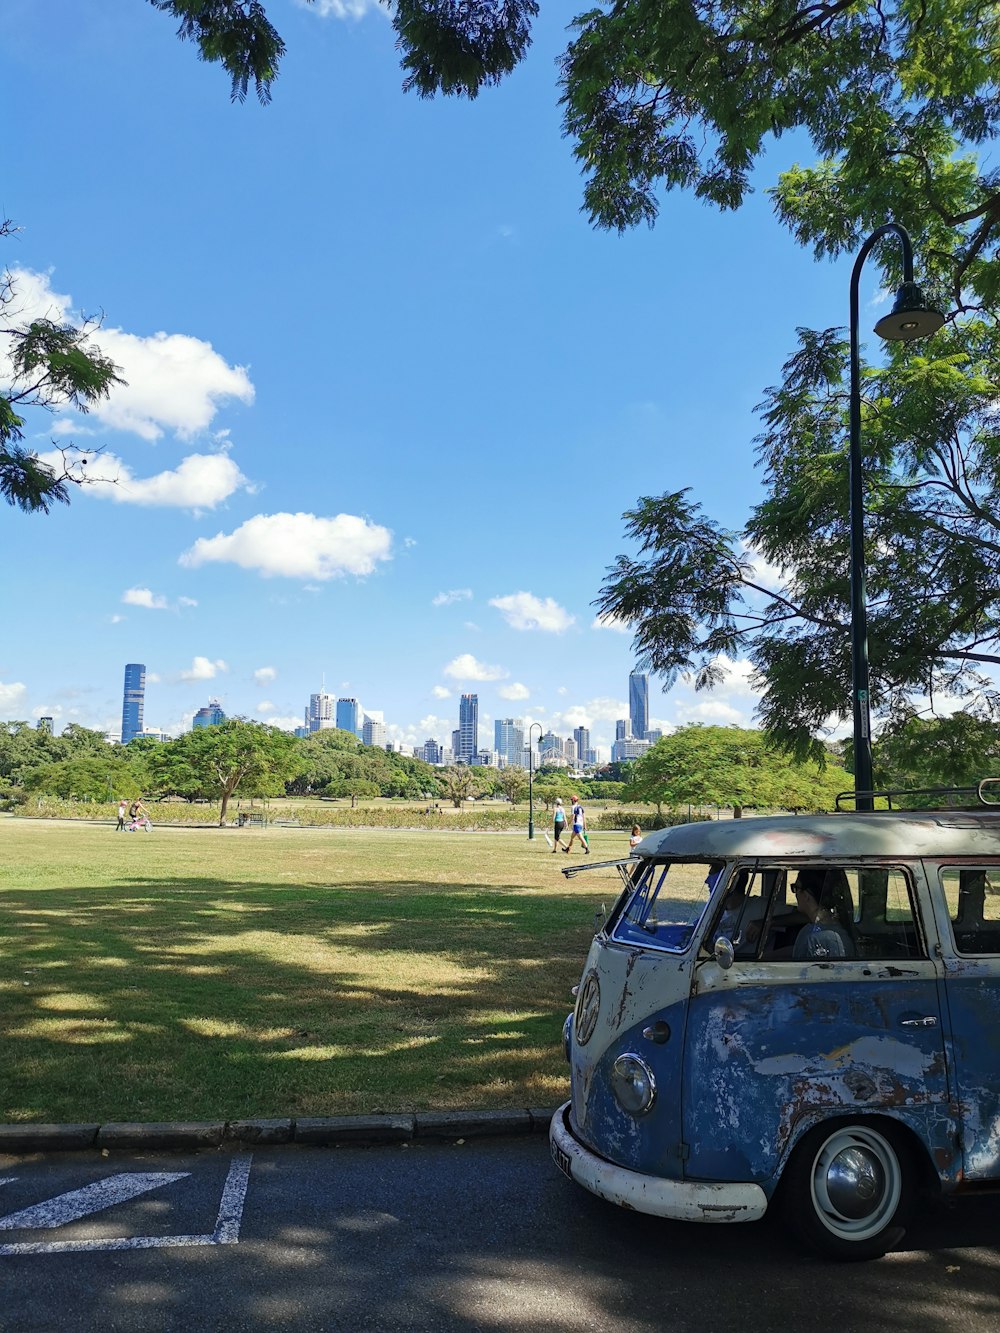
[731, 766]
[953, 751]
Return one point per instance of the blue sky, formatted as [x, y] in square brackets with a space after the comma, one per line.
[389, 393]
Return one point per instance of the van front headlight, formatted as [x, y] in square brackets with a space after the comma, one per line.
[633, 1084]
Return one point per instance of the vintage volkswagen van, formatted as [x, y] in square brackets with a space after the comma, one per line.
[718, 1068]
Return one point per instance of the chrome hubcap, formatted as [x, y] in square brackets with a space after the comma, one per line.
[856, 1183]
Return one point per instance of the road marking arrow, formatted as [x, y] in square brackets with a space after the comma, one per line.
[91, 1199]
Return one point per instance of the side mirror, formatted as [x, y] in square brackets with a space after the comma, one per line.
[724, 953]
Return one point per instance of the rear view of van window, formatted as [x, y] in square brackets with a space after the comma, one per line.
[973, 897]
[667, 904]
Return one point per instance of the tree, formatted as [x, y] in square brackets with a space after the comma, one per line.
[49, 365]
[548, 789]
[512, 782]
[235, 755]
[85, 778]
[936, 752]
[353, 787]
[694, 592]
[458, 784]
[731, 766]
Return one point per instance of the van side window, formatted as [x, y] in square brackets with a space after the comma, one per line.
[973, 897]
[874, 911]
[885, 921]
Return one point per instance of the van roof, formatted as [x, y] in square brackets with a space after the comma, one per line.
[889, 833]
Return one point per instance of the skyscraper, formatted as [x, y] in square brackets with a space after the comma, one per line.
[373, 731]
[638, 704]
[582, 737]
[349, 716]
[133, 700]
[468, 728]
[209, 716]
[319, 714]
[508, 739]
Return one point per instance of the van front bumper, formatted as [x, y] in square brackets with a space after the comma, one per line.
[683, 1200]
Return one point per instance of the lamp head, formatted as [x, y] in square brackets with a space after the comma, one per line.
[910, 317]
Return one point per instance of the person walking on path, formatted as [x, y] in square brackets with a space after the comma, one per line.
[122, 809]
[579, 827]
[558, 824]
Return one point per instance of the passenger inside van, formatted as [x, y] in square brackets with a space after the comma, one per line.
[824, 899]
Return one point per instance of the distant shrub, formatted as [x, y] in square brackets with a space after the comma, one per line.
[647, 821]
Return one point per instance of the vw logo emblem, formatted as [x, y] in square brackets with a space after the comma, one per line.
[587, 1008]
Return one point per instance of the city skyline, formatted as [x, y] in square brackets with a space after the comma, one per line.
[510, 734]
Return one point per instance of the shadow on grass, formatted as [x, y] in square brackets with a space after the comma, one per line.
[193, 998]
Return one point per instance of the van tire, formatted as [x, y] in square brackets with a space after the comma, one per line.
[848, 1189]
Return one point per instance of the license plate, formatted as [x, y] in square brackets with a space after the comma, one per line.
[562, 1161]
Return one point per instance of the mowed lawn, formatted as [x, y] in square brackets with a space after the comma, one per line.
[193, 974]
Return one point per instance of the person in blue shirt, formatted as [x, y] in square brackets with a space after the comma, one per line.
[558, 825]
[823, 898]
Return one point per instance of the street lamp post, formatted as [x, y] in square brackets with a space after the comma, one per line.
[909, 318]
[531, 773]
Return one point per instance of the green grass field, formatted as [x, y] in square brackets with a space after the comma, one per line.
[193, 974]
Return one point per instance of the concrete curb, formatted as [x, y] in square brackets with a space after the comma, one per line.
[326, 1131]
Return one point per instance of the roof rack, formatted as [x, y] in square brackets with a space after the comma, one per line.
[986, 792]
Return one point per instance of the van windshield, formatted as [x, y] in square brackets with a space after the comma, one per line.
[667, 903]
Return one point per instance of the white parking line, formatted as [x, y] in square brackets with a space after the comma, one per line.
[225, 1232]
[91, 1199]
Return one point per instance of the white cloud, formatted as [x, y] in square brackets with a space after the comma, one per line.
[12, 696]
[284, 723]
[154, 601]
[202, 668]
[116, 619]
[713, 710]
[152, 678]
[200, 481]
[466, 667]
[441, 692]
[514, 691]
[737, 677]
[298, 546]
[174, 382]
[452, 595]
[264, 675]
[763, 571]
[525, 611]
[438, 727]
[144, 597]
[266, 706]
[341, 9]
[610, 622]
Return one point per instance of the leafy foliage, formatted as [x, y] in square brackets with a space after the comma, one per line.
[956, 751]
[730, 766]
[48, 365]
[236, 34]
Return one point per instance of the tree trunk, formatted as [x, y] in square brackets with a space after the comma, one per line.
[737, 812]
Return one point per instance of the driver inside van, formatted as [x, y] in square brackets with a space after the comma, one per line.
[824, 899]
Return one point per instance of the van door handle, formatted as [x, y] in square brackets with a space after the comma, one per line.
[928, 1021]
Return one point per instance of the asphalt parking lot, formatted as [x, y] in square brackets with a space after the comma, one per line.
[454, 1236]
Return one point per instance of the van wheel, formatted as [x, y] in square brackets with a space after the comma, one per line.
[847, 1191]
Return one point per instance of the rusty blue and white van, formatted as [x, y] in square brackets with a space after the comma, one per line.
[717, 1074]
